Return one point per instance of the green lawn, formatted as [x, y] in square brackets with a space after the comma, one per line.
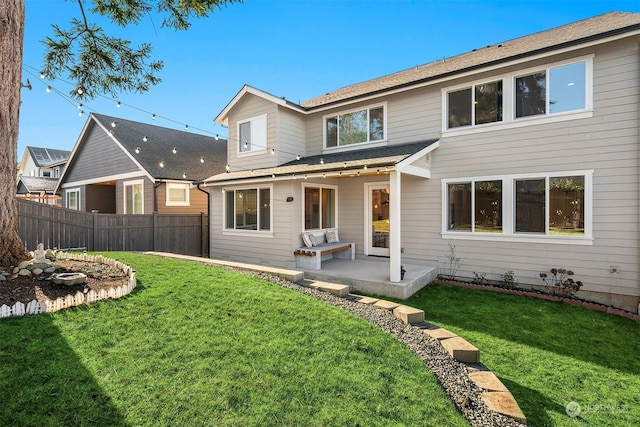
[548, 354]
[195, 345]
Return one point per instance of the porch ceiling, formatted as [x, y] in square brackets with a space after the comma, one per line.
[372, 160]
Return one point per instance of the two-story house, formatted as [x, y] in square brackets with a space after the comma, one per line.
[522, 156]
[126, 167]
[38, 173]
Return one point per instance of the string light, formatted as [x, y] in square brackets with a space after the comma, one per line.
[48, 89]
[175, 150]
[216, 137]
[113, 124]
[201, 159]
[42, 76]
[227, 167]
[144, 138]
[184, 175]
[273, 151]
[80, 113]
[322, 160]
[153, 117]
[80, 91]
[118, 104]
[186, 127]
[137, 150]
[297, 156]
[80, 106]
[161, 164]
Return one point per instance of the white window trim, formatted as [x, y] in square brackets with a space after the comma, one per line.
[181, 185]
[509, 121]
[66, 196]
[360, 145]
[247, 233]
[124, 194]
[302, 195]
[508, 210]
[255, 149]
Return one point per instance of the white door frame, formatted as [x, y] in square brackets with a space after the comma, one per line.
[368, 220]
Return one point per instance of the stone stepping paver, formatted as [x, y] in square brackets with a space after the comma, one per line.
[461, 350]
[504, 403]
[439, 333]
[409, 314]
[386, 305]
[333, 288]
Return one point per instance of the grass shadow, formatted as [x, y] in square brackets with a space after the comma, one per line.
[594, 337]
[534, 405]
[43, 382]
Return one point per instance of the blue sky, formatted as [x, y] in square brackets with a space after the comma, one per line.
[299, 49]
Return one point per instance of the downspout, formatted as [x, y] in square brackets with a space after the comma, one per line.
[208, 219]
[155, 195]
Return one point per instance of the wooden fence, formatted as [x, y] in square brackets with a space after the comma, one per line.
[65, 228]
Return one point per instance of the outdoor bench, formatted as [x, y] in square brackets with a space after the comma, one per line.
[310, 258]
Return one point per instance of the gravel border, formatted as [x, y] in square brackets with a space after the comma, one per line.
[452, 375]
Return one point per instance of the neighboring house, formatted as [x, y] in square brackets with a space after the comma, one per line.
[521, 156]
[38, 173]
[126, 167]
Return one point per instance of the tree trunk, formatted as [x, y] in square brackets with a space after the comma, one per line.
[12, 250]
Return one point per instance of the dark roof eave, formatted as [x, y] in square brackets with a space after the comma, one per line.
[478, 66]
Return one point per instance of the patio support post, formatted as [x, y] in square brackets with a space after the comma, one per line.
[394, 226]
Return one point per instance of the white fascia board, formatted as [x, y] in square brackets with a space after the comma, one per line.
[127, 175]
[222, 117]
[405, 166]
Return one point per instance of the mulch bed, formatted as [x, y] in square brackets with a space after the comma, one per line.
[26, 289]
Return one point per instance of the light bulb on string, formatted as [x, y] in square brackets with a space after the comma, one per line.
[118, 104]
[201, 159]
[144, 138]
[80, 91]
[113, 124]
[322, 161]
[137, 150]
[161, 164]
[227, 167]
[42, 76]
[184, 175]
[153, 117]
[175, 150]
[80, 106]
[186, 127]
[297, 156]
[217, 137]
[80, 113]
[48, 89]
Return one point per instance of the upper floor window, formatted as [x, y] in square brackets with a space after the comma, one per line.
[536, 93]
[478, 104]
[177, 194]
[252, 134]
[553, 90]
[248, 209]
[355, 127]
[536, 205]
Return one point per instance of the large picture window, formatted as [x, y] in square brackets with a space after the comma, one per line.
[319, 208]
[134, 197]
[248, 209]
[355, 127]
[545, 205]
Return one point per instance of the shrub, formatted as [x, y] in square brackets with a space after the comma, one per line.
[509, 280]
[560, 282]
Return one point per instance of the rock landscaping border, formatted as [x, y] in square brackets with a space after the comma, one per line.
[477, 393]
[80, 298]
[543, 296]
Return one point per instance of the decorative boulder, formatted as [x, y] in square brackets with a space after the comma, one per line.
[69, 279]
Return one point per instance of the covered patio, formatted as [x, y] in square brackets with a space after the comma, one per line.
[370, 275]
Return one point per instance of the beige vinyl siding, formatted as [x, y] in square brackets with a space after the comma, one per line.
[275, 250]
[252, 106]
[608, 143]
[291, 135]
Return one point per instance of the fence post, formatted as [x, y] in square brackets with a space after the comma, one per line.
[155, 231]
[203, 238]
[94, 245]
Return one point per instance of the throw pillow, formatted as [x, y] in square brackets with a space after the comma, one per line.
[307, 240]
[312, 239]
[332, 236]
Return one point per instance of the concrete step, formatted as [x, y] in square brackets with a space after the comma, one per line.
[409, 314]
[461, 350]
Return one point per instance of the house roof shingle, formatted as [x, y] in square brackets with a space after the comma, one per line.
[43, 157]
[378, 157]
[35, 184]
[598, 27]
[190, 148]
